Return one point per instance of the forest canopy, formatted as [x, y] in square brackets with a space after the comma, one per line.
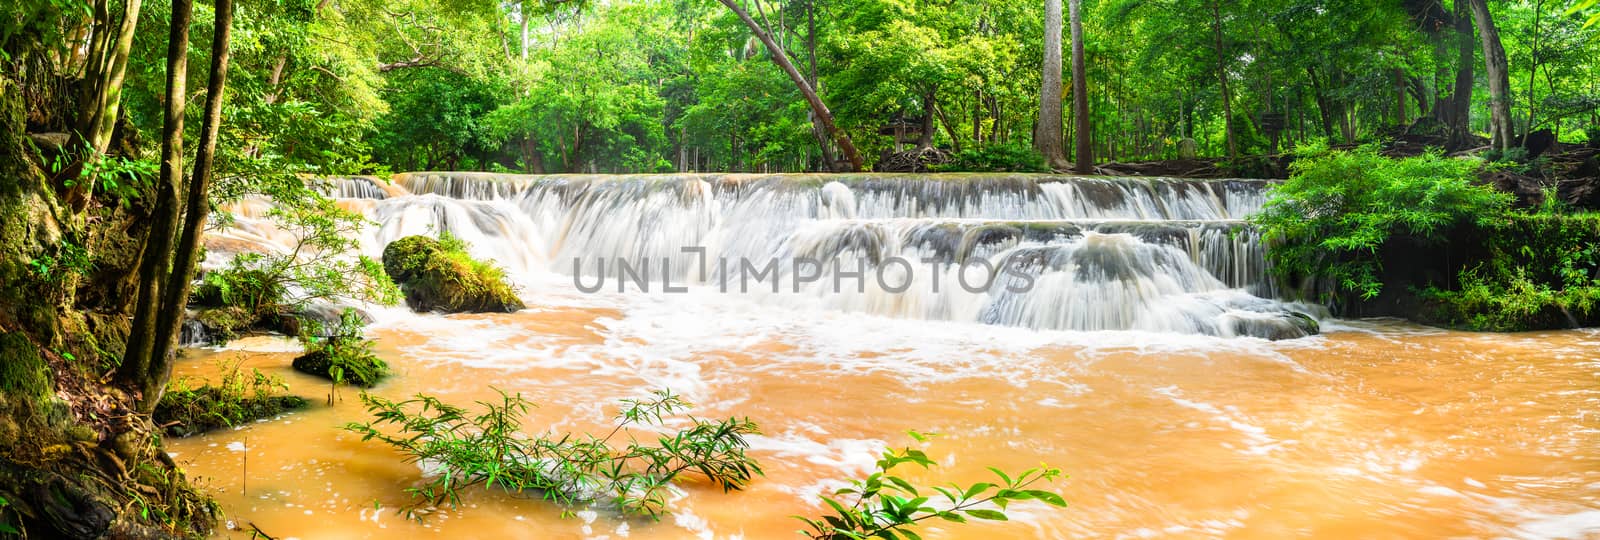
[349, 86]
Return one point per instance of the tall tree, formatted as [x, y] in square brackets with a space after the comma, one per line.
[1222, 78]
[820, 110]
[197, 207]
[1080, 96]
[1047, 131]
[1461, 100]
[105, 71]
[1494, 64]
[163, 283]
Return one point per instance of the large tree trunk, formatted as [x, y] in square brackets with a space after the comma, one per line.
[1494, 63]
[1460, 114]
[197, 209]
[820, 110]
[1080, 96]
[1047, 131]
[1222, 78]
[153, 269]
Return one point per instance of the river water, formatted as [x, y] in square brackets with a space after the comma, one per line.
[1136, 364]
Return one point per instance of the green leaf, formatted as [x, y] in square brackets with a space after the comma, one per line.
[980, 513]
[1046, 496]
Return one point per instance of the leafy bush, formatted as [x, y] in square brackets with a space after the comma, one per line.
[342, 353]
[887, 506]
[188, 409]
[1339, 207]
[317, 268]
[1541, 271]
[1004, 157]
[440, 275]
[487, 448]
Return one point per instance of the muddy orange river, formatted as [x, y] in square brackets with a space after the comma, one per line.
[1375, 429]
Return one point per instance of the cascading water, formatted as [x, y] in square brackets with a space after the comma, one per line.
[1037, 251]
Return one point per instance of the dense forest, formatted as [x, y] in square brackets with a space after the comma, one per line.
[563, 86]
[126, 126]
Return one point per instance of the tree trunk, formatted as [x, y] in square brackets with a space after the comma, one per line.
[1222, 78]
[138, 360]
[955, 141]
[823, 115]
[1047, 131]
[925, 139]
[1461, 100]
[1533, 71]
[1080, 95]
[198, 208]
[105, 99]
[1494, 63]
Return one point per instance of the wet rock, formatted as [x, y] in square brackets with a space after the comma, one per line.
[1277, 326]
[435, 278]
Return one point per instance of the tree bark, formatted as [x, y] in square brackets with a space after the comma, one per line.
[1047, 131]
[154, 268]
[1461, 99]
[1080, 95]
[198, 208]
[822, 114]
[1494, 63]
[105, 103]
[929, 104]
[1222, 78]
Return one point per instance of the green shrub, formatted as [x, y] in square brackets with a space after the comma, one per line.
[887, 506]
[1338, 207]
[488, 448]
[342, 353]
[1540, 271]
[440, 275]
[190, 407]
[316, 268]
[1004, 157]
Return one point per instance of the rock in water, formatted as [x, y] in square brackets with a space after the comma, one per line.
[436, 277]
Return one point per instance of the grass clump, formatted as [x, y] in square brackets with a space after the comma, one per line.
[341, 353]
[1339, 207]
[190, 407]
[439, 275]
[884, 505]
[489, 448]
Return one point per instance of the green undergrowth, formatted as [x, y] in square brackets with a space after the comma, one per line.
[1513, 269]
[1540, 271]
[1004, 157]
[439, 275]
[191, 406]
[1337, 209]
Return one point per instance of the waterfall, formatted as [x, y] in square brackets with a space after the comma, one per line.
[1053, 251]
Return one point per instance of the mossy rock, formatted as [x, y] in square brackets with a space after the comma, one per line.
[192, 412]
[360, 368]
[23, 373]
[435, 278]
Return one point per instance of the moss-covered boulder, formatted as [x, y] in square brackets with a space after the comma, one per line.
[440, 276]
[355, 364]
